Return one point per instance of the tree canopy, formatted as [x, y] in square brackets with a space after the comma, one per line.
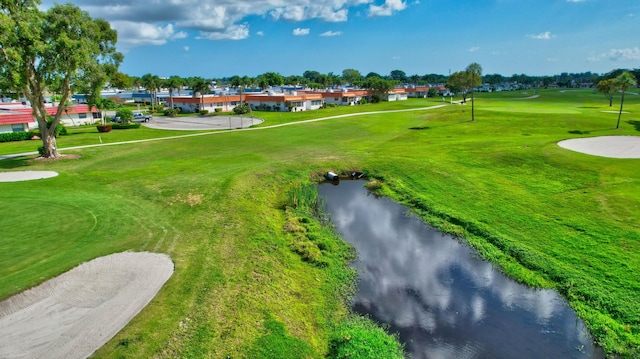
[608, 89]
[59, 50]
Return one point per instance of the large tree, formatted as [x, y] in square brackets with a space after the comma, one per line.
[474, 74]
[608, 89]
[120, 81]
[351, 76]
[398, 75]
[623, 82]
[56, 50]
[458, 83]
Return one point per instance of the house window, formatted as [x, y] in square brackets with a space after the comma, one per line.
[316, 102]
[17, 127]
[82, 115]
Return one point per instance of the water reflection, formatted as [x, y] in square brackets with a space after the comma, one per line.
[443, 300]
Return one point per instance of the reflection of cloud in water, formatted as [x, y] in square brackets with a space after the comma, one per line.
[411, 276]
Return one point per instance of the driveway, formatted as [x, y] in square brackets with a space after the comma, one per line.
[202, 122]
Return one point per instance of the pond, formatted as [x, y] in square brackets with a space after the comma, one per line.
[438, 295]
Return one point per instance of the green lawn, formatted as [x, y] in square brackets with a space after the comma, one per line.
[217, 204]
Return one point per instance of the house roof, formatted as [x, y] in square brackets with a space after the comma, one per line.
[207, 99]
[284, 98]
[15, 116]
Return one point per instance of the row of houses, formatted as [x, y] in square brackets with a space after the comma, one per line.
[294, 101]
[16, 116]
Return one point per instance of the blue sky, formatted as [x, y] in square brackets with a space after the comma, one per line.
[219, 38]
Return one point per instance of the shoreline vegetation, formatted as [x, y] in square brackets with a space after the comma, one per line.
[255, 274]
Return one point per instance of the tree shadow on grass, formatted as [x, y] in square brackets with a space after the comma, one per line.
[582, 132]
[15, 162]
[420, 128]
[635, 124]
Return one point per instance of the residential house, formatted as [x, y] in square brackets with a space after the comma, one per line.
[295, 101]
[19, 117]
[346, 97]
[15, 119]
[417, 91]
[397, 94]
[190, 104]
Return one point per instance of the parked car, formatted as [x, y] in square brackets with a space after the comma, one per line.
[140, 117]
[116, 119]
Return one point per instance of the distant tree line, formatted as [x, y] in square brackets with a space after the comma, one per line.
[317, 80]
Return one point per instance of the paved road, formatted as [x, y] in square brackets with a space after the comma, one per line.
[203, 122]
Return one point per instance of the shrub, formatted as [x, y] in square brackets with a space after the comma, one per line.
[217, 109]
[125, 126]
[363, 101]
[16, 136]
[125, 115]
[103, 128]
[375, 98]
[204, 112]
[40, 151]
[171, 112]
[242, 109]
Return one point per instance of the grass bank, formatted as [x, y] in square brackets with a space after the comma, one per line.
[217, 204]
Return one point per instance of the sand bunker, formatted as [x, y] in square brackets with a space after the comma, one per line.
[15, 176]
[605, 146]
[76, 313]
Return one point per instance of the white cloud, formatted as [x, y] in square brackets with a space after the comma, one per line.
[233, 32]
[260, 33]
[186, 48]
[388, 8]
[301, 32]
[474, 49]
[542, 36]
[133, 34]
[139, 23]
[331, 33]
[628, 54]
[575, 0]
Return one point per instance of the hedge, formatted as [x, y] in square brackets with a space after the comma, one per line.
[16, 136]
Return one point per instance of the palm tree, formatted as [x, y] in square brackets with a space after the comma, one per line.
[624, 81]
[474, 71]
[173, 82]
[200, 85]
[152, 83]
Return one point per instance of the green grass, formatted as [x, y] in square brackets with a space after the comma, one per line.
[254, 272]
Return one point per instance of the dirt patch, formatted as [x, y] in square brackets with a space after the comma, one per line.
[190, 198]
[74, 314]
[60, 157]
